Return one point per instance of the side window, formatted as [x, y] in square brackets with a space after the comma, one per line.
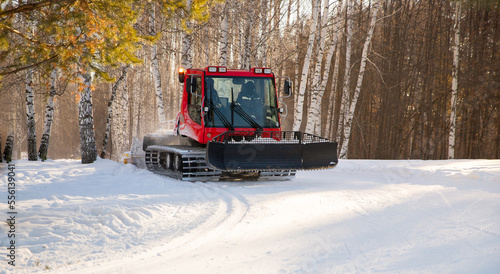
[194, 102]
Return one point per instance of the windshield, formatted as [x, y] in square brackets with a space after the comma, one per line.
[238, 98]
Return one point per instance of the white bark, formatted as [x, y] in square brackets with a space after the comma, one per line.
[352, 106]
[223, 38]
[155, 69]
[333, 92]
[114, 89]
[344, 104]
[454, 81]
[298, 31]
[30, 117]
[9, 147]
[247, 38]
[49, 115]
[86, 121]
[299, 104]
[187, 41]
[262, 50]
[313, 125]
[120, 118]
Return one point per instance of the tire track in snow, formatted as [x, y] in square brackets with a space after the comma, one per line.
[230, 210]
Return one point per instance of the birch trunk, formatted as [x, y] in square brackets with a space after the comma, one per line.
[333, 94]
[335, 76]
[86, 121]
[49, 115]
[160, 109]
[223, 38]
[344, 104]
[124, 125]
[247, 36]
[315, 109]
[9, 147]
[262, 52]
[299, 106]
[30, 117]
[454, 81]
[114, 88]
[187, 41]
[298, 32]
[352, 106]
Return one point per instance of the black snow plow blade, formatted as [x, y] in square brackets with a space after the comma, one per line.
[278, 150]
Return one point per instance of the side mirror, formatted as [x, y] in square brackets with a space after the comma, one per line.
[288, 88]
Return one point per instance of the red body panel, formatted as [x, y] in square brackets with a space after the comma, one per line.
[200, 132]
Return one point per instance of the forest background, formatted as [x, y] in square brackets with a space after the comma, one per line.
[388, 79]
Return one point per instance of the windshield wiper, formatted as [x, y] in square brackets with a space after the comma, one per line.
[247, 118]
[218, 112]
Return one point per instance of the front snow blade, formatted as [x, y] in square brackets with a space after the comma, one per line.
[277, 150]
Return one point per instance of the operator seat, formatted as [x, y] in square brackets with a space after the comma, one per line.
[247, 95]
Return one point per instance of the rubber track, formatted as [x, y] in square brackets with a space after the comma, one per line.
[194, 166]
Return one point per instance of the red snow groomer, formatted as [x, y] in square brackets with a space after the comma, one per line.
[229, 126]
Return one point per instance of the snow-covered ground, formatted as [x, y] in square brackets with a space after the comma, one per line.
[363, 216]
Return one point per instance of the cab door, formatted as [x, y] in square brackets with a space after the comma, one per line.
[191, 120]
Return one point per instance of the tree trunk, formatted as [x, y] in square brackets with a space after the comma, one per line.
[333, 93]
[299, 105]
[352, 106]
[30, 115]
[223, 37]
[454, 81]
[120, 121]
[86, 121]
[156, 72]
[110, 111]
[187, 41]
[344, 104]
[314, 117]
[9, 147]
[49, 114]
[1, 148]
[247, 39]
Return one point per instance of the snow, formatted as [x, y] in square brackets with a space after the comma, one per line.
[362, 216]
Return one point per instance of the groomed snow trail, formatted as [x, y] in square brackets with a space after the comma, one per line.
[363, 216]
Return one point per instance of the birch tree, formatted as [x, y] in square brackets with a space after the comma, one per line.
[247, 38]
[86, 120]
[107, 132]
[335, 76]
[352, 105]
[344, 104]
[187, 40]
[299, 104]
[317, 90]
[49, 115]
[30, 117]
[9, 147]
[223, 37]
[454, 80]
[155, 69]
